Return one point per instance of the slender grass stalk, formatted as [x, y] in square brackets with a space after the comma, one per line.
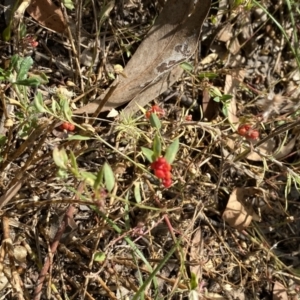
[293, 49]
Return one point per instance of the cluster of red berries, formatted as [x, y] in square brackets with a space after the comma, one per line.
[30, 40]
[67, 126]
[162, 170]
[155, 109]
[247, 131]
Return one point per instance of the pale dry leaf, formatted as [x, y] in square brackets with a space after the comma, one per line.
[113, 113]
[232, 82]
[266, 149]
[214, 296]
[195, 253]
[171, 41]
[210, 58]
[279, 292]
[20, 253]
[286, 149]
[46, 13]
[237, 214]
[233, 46]
[225, 34]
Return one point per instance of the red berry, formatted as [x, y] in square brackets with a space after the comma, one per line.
[167, 182]
[159, 173]
[158, 110]
[168, 175]
[67, 126]
[155, 109]
[243, 129]
[161, 160]
[167, 167]
[71, 127]
[34, 44]
[64, 126]
[253, 134]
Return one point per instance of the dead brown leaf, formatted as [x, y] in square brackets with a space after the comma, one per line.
[225, 34]
[154, 66]
[232, 82]
[237, 214]
[266, 148]
[279, 292]
[47, 14]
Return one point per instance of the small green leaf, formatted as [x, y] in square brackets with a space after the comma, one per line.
[62, 173]
[28, 82]
[14, 62]
[74, 163]
[66, 109]
[99, 256]
[68, 4]
[226, 97]
[194, 281]
[207, 75]
[40, 77]
[225, 110]
[109, 177]
[54, 106]
[216, 99]
[99, 179]
[6, 34]
[24, 66]
[148, 153]
[137, 193]
[60, 158]
[3, 139]
[215, 92]
[156, 146]
[155, 121]
[78, 138]
[187, 67]
[172, 151]
[88, 177]
[22, 30]
[39, 102]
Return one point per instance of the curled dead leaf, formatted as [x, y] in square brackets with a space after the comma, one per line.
[237, 214]
[48, 14]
